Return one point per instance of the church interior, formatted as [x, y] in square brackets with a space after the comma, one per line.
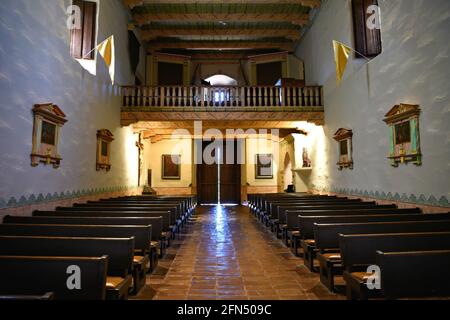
[224, 149]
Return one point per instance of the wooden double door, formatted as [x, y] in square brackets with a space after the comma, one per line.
[220, 181]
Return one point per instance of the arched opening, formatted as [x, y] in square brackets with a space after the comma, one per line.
[288, 180]
[220, 95]
[221, 80]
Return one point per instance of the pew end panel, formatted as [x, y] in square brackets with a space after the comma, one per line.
[49, 274]
[415, 274]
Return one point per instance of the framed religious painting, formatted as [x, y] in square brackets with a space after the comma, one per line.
[47, 123]
[171, 167]
[264, 166]
[404, 135]
[104, 139]
[345, 148]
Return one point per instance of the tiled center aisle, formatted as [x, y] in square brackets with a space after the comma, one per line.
[226, 254]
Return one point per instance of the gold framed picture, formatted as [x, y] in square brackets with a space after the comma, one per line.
[404, 134]
[104, 139]
[171, 167]
[344, 139]
[264, 166]
[47, 123]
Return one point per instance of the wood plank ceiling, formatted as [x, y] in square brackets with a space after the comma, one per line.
[220, 26]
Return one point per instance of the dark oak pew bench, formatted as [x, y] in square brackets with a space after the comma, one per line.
[25, 275]
[300, 221]
[327, 240]
[414, 274]
[276, 210]
[142, 235]
[273, 207]
[167, 224]
[187, 206]
[304, 228]
[282, 215]
[160, 239]
[360, 251]
[174, 221]
[261, 202]
[189, 201]
[175, 207]
[180, 212]
[264, 203]
[149, 263]
[120, 254]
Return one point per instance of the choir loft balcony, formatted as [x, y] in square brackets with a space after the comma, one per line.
[231, 103]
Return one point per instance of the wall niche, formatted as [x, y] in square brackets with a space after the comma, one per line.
[47, 124]
[345, 147]
[104, 139]
[404, 134]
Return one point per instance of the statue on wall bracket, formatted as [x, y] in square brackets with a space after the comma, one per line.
[404, 134]
[344, 138]
[47, 124]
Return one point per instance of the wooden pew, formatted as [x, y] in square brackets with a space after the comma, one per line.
[306, 221]
[159, 223]
[282, 215]
[187, 204]
[175, 220]
[264, 203]
[190, 202]
[327, 240]
[181, 212]
[120, 254]
[400, 280]
[276, 209]
[303, 228]
[359, 252]
[38, 275]
[298, 220]
[272, 206]
[147, 263]
[285, 212]
[167, 226]
[142, 234]
[177, 207]
[261, 202]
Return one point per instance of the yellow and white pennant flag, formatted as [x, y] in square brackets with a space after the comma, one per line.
[107, 50]
[341, 55]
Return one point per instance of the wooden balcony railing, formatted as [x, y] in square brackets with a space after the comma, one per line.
[217, 98]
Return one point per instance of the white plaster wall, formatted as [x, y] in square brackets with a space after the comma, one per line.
[413, 68]
[36, 67]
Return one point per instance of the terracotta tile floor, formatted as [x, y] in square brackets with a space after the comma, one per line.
[224, 253]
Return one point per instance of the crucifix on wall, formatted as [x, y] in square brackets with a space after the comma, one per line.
[140, 147]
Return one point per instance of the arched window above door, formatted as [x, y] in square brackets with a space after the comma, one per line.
[222, 80]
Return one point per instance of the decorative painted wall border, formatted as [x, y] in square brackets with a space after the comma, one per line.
[67, 195]
[389, 196]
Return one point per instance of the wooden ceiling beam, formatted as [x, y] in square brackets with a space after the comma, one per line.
[218, 45]
[218, 56]
[152, 34]
[305, 3]
[294, 18]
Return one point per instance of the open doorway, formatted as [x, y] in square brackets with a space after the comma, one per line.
[287, 172]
